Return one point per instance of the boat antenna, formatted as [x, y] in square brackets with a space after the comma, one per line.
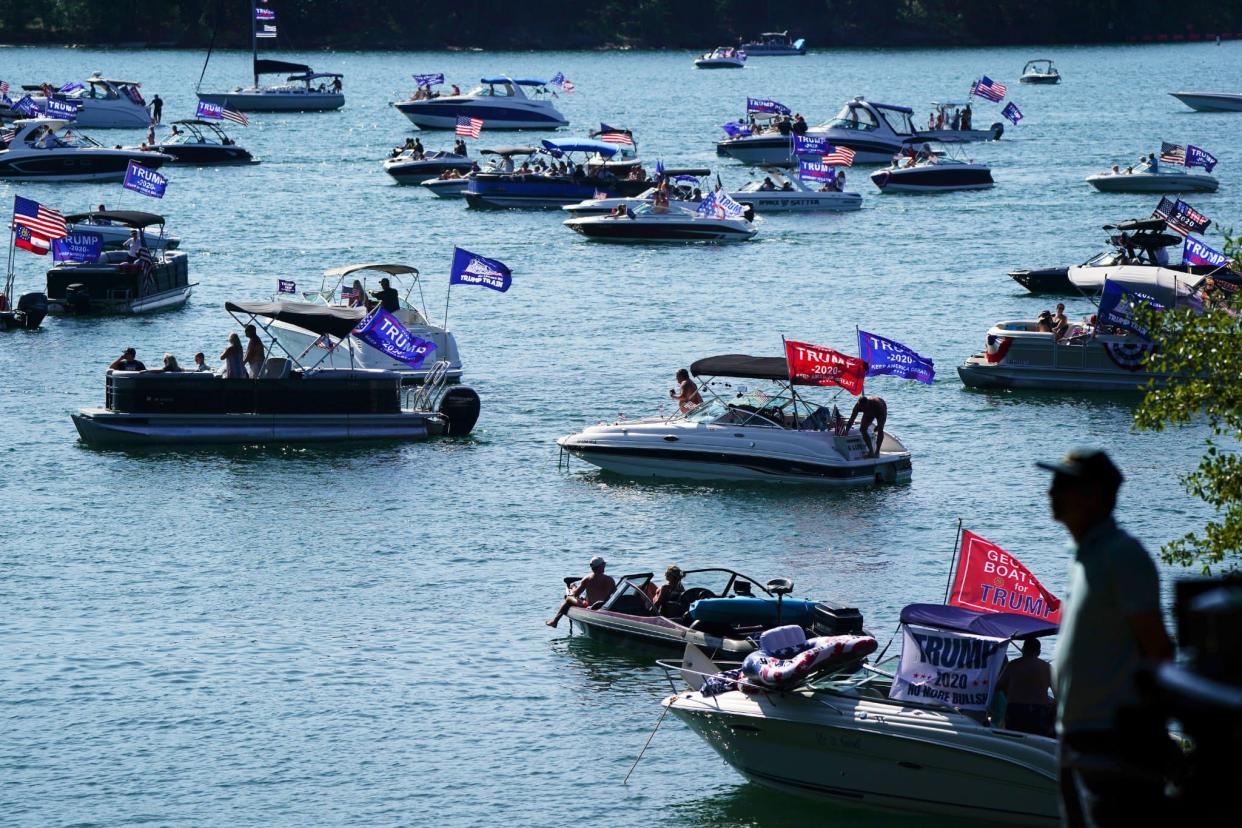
[211, 44]
[957, 539]
[254, 45]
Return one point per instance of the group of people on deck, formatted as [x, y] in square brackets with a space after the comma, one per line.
[426, 93]
[237, 364]
[596, 588]
[782, 124]
[940, 118]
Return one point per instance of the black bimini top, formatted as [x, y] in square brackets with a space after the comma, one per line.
[740, 365]
[334, 320]
[129, 218]
[264, 66]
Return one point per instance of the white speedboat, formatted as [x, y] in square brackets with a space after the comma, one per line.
[294, 326]
[840, 737]
[874, 131]
[779, 191]
[51, 149]
[945, 112]
[774, 44]
[739, 435]
[683, 187]
[1211, 101]
[103, 103]
[722, 57]
[1165, 179]
[649, 223]
[499, 101]
[412, 167]
[1040, 71]
[932, 168]
[203, 144]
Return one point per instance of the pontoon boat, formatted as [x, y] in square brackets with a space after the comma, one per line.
[1040, 70]
[499, 101]
[51, 149]
[774, 44]
[115, 226]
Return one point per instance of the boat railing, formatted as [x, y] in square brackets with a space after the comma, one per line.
[433, 386]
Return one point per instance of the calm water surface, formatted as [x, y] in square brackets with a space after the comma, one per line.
[354, 635]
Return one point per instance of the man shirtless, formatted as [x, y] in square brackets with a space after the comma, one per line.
[871, 408]
[686, 393]
[597, 586]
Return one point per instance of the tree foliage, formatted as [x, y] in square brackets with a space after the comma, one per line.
[1203, 353]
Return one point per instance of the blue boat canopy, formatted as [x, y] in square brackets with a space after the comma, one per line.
[582, 145]
[518, 81]
[895, 107]
[994, 624]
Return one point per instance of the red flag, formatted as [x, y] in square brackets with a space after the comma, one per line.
[816, 365]
[989, 579]
[24, 238]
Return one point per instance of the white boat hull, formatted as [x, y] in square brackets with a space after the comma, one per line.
[102, 113]
[250, 100]
[1145, 182]
[781, 201]
[447, 188]
[1210, 101]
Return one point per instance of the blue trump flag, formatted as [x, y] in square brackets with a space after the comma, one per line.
[884, 356]
[473, 269]
[735, 130]
[1117, 305]
[67, 110]
[1195, 252]
[429, 79]
[381, 330]
[815, 171]
[811, 145]
[77, 247]
[1012, 112]
[766, 105]
[210, 111]
[1197, 157]
[26, 106]
[142, 180]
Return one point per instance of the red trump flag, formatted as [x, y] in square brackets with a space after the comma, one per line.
[816, 365]
[989, 579]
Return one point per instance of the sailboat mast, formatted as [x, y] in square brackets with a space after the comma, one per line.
[254, 41]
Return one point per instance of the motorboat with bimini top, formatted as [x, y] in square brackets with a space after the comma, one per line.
[51, 149]
[736, 434]
[775, 190]
[1040, 71]
[952, 122]
[286, 402]
[664, 223]
[683, 187]
[932, 167]
[1153, 178]
[874, 131]
[1211, 101]
[115, 227]
[722, 57]
[876, 736]
[157, 279]
[203, 144]
[720, 611]
[774, 44]
[298, 326]
[1135, 243]
[1091, 356]
[102, 103]
[610, 169]
[412, 166]
[501, 102]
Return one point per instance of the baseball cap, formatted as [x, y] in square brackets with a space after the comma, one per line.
[1089, 466]
[597, 562]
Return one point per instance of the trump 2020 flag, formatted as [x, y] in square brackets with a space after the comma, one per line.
[950, 668]
[817, 365]
[473, 269]
[68, 110]
[142, 180]
[766, 105]
[429, 79]
[286, 286]
[383, 332]
[77, 247]
[1198, 157]
[816, 145]
[886, 356]
[26, 106]
[1195, 252]
[1012, 112]
[1117, 306]
[989, 579]
[210, 111]
[815, 171]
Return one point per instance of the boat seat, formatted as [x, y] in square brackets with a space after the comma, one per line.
[275, 368]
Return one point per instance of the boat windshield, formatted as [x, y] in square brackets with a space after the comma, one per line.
[853, 116]
[1106, 259]
[492, 90]
[898, 121]
[48, 138]
[96, 90]
[755, 408]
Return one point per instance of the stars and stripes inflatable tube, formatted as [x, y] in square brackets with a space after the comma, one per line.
[820, 653]
[998, 347]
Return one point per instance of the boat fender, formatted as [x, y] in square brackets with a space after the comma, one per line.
[460, 406]
[998, 129]
[821, 653]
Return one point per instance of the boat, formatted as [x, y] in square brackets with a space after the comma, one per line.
[51, 149]
[1211, 101]
[721, 612]
[287, 403]
[722, 57]
[943, 112]
[410, 166]
[336, 348]
[1164, 179]
[114, 228]
[500, 101]
[839, 736]
[682, 186]
[1088, 357]
[649, 223]
[611, 169]
[30, 310]
[103, 103]
[1041, 71]
[499, 160]
[932, 168]
[874, 131]
[780, 191]
[115, 283]
[774, 44]
[203, 144]
[770, 435]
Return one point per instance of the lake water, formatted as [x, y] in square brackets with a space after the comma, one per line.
[353, 635]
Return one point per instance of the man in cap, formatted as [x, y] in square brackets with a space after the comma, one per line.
[597, 586]
[1111, 622]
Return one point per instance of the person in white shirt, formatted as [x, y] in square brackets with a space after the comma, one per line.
[133, 245]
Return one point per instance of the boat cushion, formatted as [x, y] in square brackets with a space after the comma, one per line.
[753, 611]
[783, 642]
[822, 653]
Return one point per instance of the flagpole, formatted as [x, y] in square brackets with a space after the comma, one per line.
[447, 294]
[957, 539]
[254, 45]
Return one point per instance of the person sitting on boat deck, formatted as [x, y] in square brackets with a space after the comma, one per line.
[133, 246]
[388, 296]
[597, 586]
[254, 352]
[667, 601]
[787, 186]
[175, 132]
[459, 148]
[150, 142]
[1060, 322]
[358, 298]
[200, 362]
[799, 126]
[967, 117]
[524, 169]
[1044, 323]
[1026, 683]
[1129, 170]
[127, 361]
[767, 184]
[872, 409]
[408, 145]
[170, 364]
[234, 367]
[455, 90]
[686, 393]
[1153, 163]
[1116, 170]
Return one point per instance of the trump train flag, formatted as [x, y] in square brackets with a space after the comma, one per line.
[381, 330]
[473, 269]
[887, 356]
[989, 579]
[817, 365]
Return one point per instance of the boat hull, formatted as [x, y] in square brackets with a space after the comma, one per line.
[933, 178]
[442, 113]
[74, 165]
[1040, 79]
[416, 172]
[206, 155]
[1153, 183]
[656, 631]
[602, 228]
[778, 201]
[275, 101]
[490, 191]
[723, 63]
[451, 188]
[97, 113]
[1046, 280]
[101, 427]
[1210, 101]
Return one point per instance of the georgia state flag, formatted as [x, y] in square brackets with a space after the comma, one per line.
[28, 240]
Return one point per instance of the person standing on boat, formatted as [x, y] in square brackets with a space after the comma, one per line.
[336, 85]
[967, 117]
[686, 393]
[254, 352]
[1026, 682]
[597, 587]
[388, 296]
[133, 246]
[232, 358]
[127, 361]
[157, 109]
[1111, 750]
[872, 409]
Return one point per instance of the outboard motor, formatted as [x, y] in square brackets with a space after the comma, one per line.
[32, 308]
[998, 129]
[460, 406]
[749, 212]
[77, 299]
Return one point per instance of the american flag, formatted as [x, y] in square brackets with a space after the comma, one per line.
[42, 221]
[469, 127]
[985, 87]
[1172, 153]
[235, 116]
[616, 138]
[839, 156]
[347, 292]
[566, 85]
[4, 87]
[8, 135]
